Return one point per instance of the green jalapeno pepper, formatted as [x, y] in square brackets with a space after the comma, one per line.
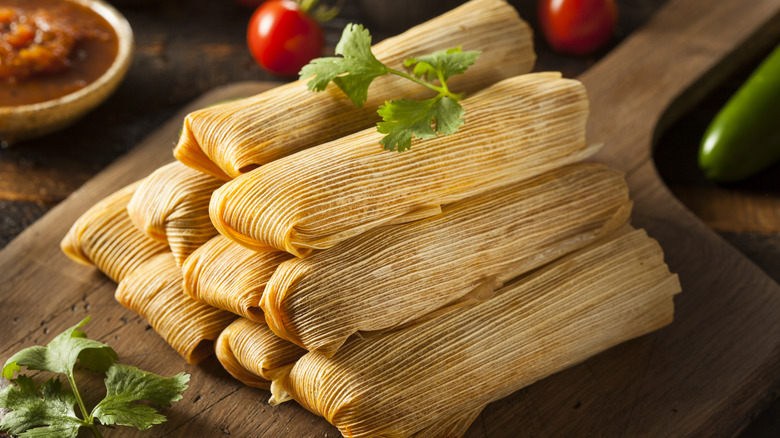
[744, 138]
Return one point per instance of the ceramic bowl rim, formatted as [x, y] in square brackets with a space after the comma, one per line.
[124, 51]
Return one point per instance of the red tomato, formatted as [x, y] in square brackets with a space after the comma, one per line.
[282, 38]
[577, 27]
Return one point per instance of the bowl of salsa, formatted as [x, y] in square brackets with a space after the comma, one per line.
[58, 60]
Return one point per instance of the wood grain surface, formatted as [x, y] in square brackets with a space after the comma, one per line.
[747, 212]
[703, 375]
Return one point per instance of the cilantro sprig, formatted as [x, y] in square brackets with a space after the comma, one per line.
[403, 119]
[49, 411]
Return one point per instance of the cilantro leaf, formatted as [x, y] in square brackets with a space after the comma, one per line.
[48, 414]
[354, 72]
[404, 119]
[126, 384]
[449, 63]
[62, 353]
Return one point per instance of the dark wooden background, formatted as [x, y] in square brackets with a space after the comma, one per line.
[186, 47]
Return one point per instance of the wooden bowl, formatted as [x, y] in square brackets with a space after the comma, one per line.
[34, 120]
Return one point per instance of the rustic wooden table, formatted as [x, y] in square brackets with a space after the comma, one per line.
[186, 48]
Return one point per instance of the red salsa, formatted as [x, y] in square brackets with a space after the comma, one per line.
[50, 48]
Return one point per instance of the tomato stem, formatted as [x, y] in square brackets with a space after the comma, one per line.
[321, 13]
[307, 5]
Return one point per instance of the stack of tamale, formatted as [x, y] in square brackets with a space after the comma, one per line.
[150, 282]
[228, 140]
[394, 294]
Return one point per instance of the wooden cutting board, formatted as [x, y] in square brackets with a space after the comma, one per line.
[704, 375]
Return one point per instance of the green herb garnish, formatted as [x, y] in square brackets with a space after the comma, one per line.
[403, 118]
[48, 411]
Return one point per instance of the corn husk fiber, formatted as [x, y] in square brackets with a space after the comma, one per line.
[229, 139]
[398, 383]
[228, 276]
[105, 237]
[391, 275]
[155, 292]
[515, 130]
[251, 353]
[172, 205]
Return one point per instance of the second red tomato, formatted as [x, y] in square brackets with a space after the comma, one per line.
[283, 38]
[577, 27]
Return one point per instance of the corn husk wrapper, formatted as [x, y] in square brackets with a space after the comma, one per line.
[253, 354]
[229, 139]
[228, 276]
[514, 130]
[105, 237]
[172, 205]
[155, 292]
[392, 275]
[556, 317]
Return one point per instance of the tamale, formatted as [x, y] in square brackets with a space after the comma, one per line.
[105, 237]
[172, 205]
[155, 292]
[394, 274]
[229, 139]
[228, 276]
[400, 382]
[514, 130]
[251, 353]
